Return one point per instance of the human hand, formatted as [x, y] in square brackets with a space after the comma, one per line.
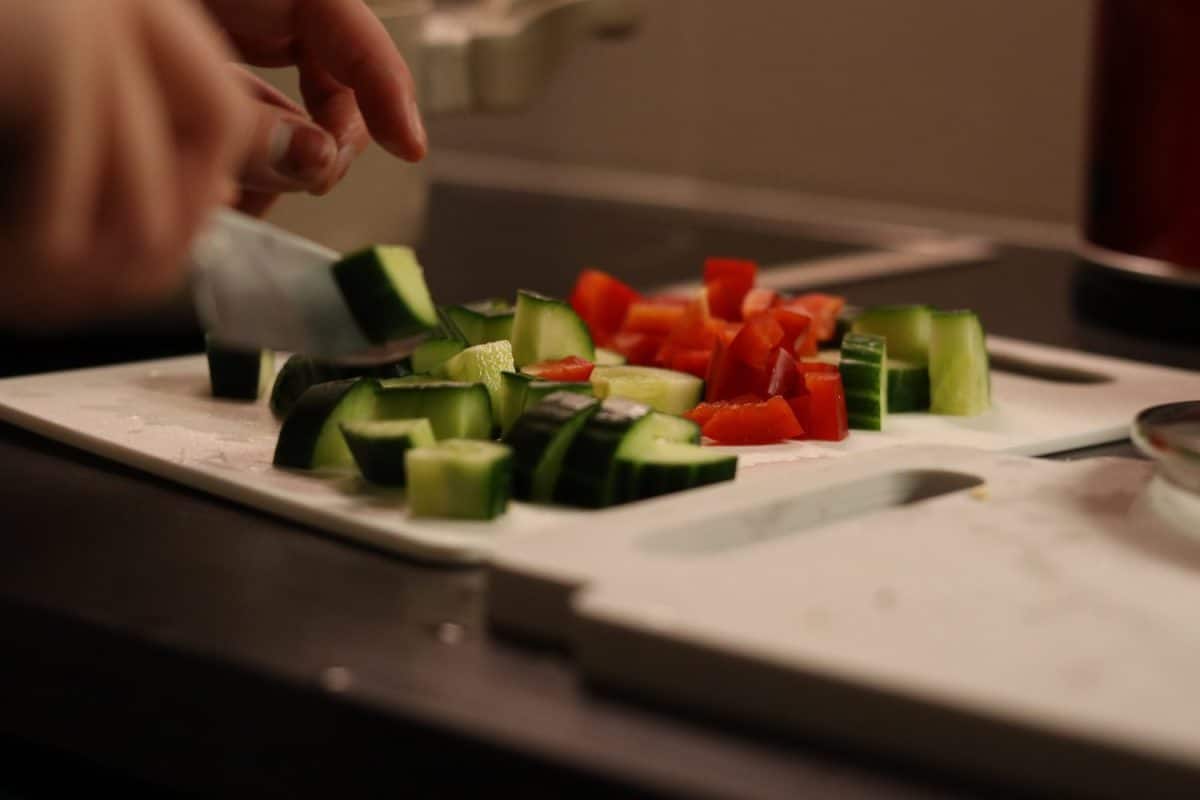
[122, 131]
[354, 81]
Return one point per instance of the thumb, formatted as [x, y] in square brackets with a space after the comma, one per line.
[288, 153]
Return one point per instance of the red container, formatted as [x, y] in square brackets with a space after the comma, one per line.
[1143, 202]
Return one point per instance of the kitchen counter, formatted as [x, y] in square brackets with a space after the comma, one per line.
[157, 637]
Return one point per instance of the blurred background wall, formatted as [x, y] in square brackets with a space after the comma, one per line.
[963, 112]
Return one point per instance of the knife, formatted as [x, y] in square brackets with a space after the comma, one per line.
[256, 285]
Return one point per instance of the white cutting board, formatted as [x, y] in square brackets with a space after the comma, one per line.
[159, 417]
[1040, 626]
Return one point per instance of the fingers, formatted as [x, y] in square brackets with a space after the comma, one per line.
[351, 46]
[263, 91]
[212, 117]
[334, 107]
[288, 153]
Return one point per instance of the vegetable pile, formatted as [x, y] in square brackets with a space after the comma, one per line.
[601, 400]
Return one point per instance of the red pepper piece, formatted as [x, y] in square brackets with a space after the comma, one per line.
[601, 301]
[753, 423]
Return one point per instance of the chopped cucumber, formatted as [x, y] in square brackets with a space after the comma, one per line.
[959, 377]
[537, 391]
[455, 410]
[300, 372]
[379, 446]
[459, 478]
[609, 358]
[546, 329]
[236, 373]
[483, 363]
[661, 467]
[431, 354]
[512, 398]
[617, 429]
[540, 439]
[386, 292]
[907, 386]
[663, 390]
[311, 437]
[482, 322]
[906, 329]
[864, 377]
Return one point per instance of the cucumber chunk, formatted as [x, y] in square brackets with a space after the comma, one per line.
[236, 373]
[431, 354]
[907, 386]
[537, 391]
[618, 428]
[609, 358]
[300, 372]
[906, 328]
[960, 381]
[864, 377]
[311, 437]
[455, 410]
[378, 446]
[540, 439]
[663, 390]
[663, 467]
[459, 478]
[512, 398]
[386, 292]
[482, 322]
[484, 364]
[546, 329]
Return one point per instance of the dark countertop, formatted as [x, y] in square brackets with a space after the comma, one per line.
[158, 637]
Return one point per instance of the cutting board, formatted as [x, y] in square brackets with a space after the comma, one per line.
[1030, 619]
[158, 416]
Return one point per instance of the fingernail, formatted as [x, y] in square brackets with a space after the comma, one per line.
[345, 158]
[302, 152]
[415, 125]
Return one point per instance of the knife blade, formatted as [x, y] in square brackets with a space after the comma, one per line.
[254, 284]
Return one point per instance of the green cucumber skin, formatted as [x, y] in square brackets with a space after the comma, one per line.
[483, 322]
[431, 354]
[380, 310]
[512, 398]
[537, 391]
[381, 459]
[908, 388]
[237, 373]
[864, 347]
[473, 495]
[300, 372]
[906, 328]
[959, 373]
[543, 432]
[644, 480]
[534, 313]
[589, 466]
[306, 440]
[455, 410]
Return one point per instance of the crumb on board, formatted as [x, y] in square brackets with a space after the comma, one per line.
[980, 492]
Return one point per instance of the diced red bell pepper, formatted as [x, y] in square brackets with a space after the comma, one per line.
[702, 413]
[669, 299]
[827, 406]
[728, 281]
[728, 377]
[753, 423]
[654, 318]
[572, 369]
[824, 309]
[696, 329]
[692, 361]
[802, 407]
[797, 328]
[640, 349]
[782, 378]
[759, 335]
[757, 300]
[601, 301]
